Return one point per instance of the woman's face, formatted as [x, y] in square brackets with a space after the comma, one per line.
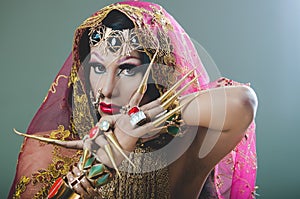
[116, 77]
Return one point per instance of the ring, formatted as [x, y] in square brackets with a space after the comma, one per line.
[104, 125]
[137, 116]
[94, 131]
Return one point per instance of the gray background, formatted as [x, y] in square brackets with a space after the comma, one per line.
[253, 41]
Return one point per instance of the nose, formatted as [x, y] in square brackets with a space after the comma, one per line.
[109, 88]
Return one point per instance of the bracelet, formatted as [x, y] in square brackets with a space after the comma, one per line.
[97, 173]
[60, 189]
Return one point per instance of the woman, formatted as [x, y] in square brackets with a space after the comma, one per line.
[114, 99]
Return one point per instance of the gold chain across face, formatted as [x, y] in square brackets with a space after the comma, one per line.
[118, 42]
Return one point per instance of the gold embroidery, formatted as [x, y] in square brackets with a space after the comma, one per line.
[21, 187]
[55, 83]
[83, 119]
[53, 86]
[142, 181]
[60, 133]
[59, 167]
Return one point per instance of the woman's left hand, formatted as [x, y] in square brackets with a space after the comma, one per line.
[80, 184]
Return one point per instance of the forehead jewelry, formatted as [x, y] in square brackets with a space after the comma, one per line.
[121, 42]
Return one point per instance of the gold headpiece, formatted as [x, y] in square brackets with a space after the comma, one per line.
[120, 42]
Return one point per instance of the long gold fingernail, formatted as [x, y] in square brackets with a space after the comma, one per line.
[170, 100]
[76, 144]
[114, 141]
[163, 118]
[110, 155]
[169, 92]
[143, 86]
[85, 156]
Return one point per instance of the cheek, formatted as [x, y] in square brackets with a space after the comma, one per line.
[95, 82]
[129, 85]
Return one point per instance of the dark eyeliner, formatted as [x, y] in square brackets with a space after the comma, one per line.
[126, 66]
[94, 65]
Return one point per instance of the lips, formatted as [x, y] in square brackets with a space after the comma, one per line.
[109, 108]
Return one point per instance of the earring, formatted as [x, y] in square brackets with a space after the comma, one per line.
[100, 94]
[96, 101]
[92, 97]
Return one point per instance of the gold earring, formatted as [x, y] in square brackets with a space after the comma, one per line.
[100, 94]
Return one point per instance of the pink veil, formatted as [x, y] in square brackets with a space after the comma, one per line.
[234, 176]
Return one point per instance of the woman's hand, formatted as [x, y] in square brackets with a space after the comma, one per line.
[125, 133]
[80, 184]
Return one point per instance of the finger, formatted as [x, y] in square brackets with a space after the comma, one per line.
[169, 101]
[76, 171]
[100, 156]
[71, 179]
[91, 191]
[87, 145]
[116, 145]
[166, 116]
[138, 95]
[110, 118]
[109, 154]
[123, 125]
[135, 99]
[150, 105]
[75, 184]
[169, 92]
[152, 113]
[80, 190]
[84, 182]
[101, 141]
[142, 130]
[75, 144]
[148, 138]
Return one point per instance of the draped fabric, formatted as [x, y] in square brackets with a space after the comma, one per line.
[58, 117]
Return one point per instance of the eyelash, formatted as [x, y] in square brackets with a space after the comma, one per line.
[100, 69]
[97, 70]
[127, 67]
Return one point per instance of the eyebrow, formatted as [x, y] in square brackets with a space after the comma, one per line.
[128, 57]
[97, 55]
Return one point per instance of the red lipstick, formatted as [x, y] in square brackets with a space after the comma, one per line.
[109, 108]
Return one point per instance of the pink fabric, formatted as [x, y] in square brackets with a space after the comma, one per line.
[234, 175]
[184, 50]
[54, 110]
